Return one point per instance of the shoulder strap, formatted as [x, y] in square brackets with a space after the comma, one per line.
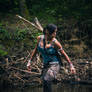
[44, 43]
[41, 37]
[53, 42]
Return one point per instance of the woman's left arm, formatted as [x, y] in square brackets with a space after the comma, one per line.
[59, 46]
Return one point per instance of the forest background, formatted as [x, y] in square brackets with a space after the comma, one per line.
[73, 18]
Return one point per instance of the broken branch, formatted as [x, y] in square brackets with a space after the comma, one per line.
[38, 25]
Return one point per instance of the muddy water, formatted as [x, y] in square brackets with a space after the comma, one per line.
[56, 88]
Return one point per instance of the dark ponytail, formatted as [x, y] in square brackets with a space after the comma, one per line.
[50, 28]
[44, 30]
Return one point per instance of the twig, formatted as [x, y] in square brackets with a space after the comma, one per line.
[20, 59]
[27, 56]
[7, 62]
[15, 75]
[38, 25]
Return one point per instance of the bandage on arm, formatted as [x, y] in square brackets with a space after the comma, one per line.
[60, 49]
[29, 63]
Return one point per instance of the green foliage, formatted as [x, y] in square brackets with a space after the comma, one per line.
[4, 34]
[60, 12]
[67, 8]
[2, 52]
[20, 34]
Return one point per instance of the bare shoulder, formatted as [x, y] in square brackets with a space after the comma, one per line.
[57, 43]
[38, 37]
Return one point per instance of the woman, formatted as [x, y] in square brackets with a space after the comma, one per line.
[48, 46]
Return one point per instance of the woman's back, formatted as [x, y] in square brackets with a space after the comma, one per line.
[48, 52]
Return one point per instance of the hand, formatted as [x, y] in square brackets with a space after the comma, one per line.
[29, 65]
[29, 68]
[73, 71]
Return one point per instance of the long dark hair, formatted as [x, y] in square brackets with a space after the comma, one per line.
[50, 28]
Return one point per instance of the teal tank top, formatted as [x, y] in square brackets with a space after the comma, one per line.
[48, 54]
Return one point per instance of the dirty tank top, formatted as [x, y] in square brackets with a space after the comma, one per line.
[48, 54]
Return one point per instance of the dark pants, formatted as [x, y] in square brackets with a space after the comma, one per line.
[49, 74]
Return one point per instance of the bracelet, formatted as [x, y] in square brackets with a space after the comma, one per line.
[71, 65]
[61, 49]
[29, 61]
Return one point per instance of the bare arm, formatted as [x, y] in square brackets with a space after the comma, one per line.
[35, 49]
[59, 46]
[33, 53]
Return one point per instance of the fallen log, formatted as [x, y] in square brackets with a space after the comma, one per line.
[25, 71]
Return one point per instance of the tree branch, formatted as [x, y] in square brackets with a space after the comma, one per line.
[36, 25]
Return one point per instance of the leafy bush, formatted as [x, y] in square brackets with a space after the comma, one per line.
[20, 34]
[2, 52]
[4, 34]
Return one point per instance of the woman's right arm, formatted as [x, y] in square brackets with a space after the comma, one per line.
[35, 49]
[57, 43]
[33, 54]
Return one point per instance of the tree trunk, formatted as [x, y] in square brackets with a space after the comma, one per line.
[23, 8]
